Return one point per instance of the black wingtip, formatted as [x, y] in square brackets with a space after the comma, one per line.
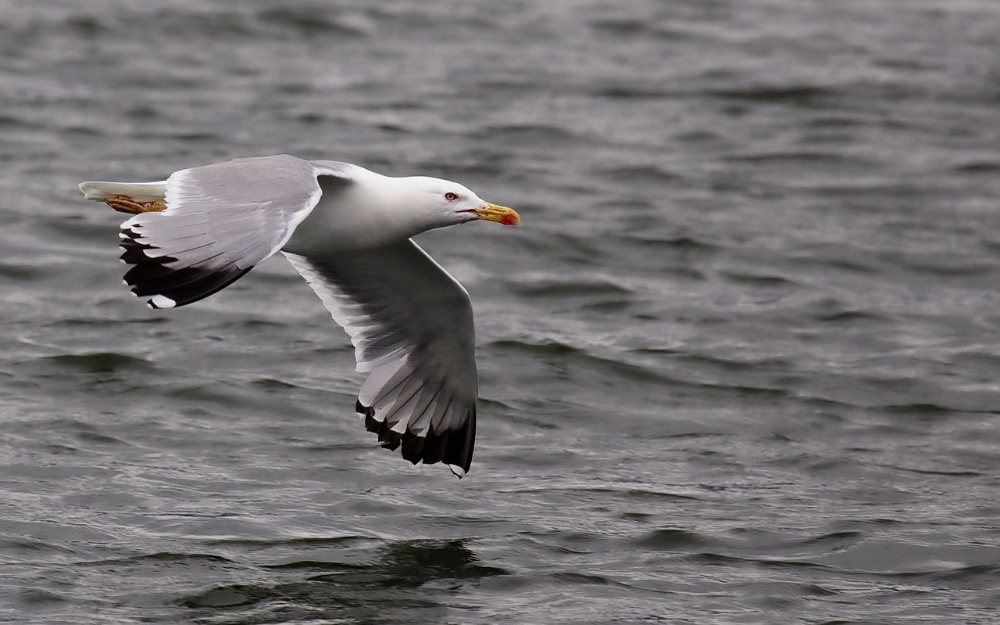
[152, 275]
[452, 447]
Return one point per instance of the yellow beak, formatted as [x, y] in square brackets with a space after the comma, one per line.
[500, 214]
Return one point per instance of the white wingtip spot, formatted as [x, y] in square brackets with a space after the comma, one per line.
[457, 470]
[161, 301]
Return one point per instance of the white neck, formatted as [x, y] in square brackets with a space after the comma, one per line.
[369, 211]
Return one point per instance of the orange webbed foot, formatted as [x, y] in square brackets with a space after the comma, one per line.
[125, 204]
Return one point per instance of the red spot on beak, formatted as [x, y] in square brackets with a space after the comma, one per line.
[499, 214]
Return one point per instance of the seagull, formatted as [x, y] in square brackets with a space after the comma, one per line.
[347, 231]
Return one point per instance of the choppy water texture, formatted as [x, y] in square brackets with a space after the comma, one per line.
[740, 365]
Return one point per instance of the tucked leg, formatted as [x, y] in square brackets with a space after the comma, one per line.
[125, 204]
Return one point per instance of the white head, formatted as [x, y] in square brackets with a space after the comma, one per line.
[446, 203]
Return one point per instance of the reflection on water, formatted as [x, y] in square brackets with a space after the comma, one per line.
[405, 582]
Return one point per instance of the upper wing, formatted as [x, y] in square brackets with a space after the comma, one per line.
[412, 329]
[221, 220]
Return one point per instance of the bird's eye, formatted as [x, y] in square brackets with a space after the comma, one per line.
[451, 196]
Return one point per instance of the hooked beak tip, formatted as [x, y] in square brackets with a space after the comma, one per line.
[499, 214]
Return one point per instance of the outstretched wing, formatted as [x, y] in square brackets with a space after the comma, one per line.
[221, 220]
[412, 329]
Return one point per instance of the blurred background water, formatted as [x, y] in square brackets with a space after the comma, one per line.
[740, 365]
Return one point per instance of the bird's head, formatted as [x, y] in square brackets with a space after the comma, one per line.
[450, 203]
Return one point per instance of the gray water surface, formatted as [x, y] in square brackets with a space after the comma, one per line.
[740, 365]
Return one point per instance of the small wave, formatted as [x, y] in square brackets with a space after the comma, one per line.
[760, 280]
[960, 473]
[948, 268]
[300, 541]
[526, 134]
[86, 26]
[774, 94]
[767, 562]
[632, 29]
[850, 316]
[40, 596]
[639, 174]
[967, 573]
[978, 167]
[671, 539]
[574, 577]
[226, 596]
[792, 157]
[550, 287]
[630, 92]
[680, 242]
[15, 271]
[160, 556]
[923, 409]
[311, 22]
[624, 28]
[509, 85]
[837, 537]
[274, 385]
[626, 489]
[319, 566]
[7, 120]
[101, 362]
[553, 348]
[833, 310]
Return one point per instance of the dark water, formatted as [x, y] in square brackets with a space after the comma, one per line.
[741, 364]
